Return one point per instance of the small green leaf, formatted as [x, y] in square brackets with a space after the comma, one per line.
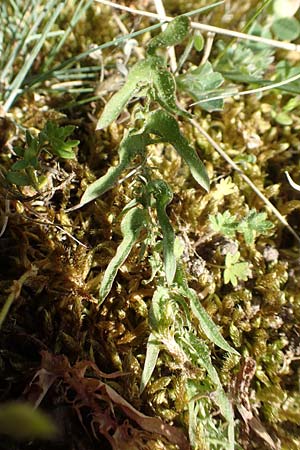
[19, 151]
[158, 308]
[200, 83]
[224, 223]
[132, 224]
[235, 270]
[131, 145]
[254, 223]
[286, 28]
[198, 42]
[18, 178]
[283, 118]
[22, 422]
[20, 165]
[56, 137]
[152, 353]
[32, 151]
[175, 32]
[165, 91]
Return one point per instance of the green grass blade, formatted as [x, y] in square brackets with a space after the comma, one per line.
[16, 84]
[82, 6]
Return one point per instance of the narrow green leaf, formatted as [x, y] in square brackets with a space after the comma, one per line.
[152, 353]
[163, 196]
[205, 321]
[132, 224]
[165, 126]
[158, 307]
[131, 145]
[207, 325]
[138, 77]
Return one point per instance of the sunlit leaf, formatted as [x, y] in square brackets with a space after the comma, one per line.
[175, 32]
[235, 270]
[224, 223]
[163, 196]
[138, 77]
[132, 224]
[202, 83]
[198, 42]
[165, 126]
[152, 353]
[205, 321]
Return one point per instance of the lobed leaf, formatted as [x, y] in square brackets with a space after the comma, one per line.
[174, 33]
[165, 126]
[200, 83]
[132, 224]
[163, 196]
[235, 270]
[131, 145]
[254, 223]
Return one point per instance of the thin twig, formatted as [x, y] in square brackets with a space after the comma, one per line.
[15, 292]
[205, 27]
[171, 51]
[227, 158]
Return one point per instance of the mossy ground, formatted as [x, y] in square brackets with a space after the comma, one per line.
[55, 308]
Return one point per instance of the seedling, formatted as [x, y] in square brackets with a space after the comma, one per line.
[53, 140]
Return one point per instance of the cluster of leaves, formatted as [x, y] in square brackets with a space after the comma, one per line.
[172, 330]
[159, 127]
[53, 140]
[253, 224]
